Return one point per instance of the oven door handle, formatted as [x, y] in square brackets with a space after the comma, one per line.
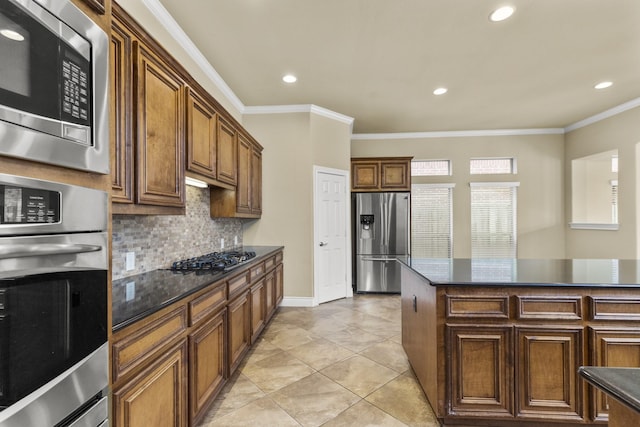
[22, 250]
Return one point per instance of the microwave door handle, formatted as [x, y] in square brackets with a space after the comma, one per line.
[22, 250]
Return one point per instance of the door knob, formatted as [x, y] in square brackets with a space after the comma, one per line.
[324, 243]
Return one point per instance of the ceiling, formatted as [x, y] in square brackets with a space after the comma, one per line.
[378, 61]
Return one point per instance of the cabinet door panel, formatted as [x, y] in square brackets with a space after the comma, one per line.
[201, 136]
[160, 126]
[481, 376]
[243, 186]
[547, 361]
[256, 181]
[227, 152]
[365, 176]
[258, 315]
[207, 367]
[611, 347]
[239, 337]
[121, 102]
[157, 396]
[395, 175]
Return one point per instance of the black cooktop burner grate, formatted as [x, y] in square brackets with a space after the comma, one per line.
[214, 261]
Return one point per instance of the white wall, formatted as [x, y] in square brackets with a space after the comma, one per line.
[621, 132]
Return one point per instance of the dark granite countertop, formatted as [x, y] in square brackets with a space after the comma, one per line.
[529, 272]
[136, 297]
[620, 383]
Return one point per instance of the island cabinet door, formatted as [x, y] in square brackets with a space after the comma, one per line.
[547, 362]
[613, 347]
[480, 371]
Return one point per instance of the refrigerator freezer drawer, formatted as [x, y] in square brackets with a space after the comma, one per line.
[378, 273]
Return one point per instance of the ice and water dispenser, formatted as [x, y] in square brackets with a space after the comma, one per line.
[366, 226]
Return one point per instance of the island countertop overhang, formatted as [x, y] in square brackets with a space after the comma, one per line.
[590, 273]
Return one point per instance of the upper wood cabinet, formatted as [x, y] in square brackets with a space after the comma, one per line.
[381, 174]
[245, 201]
[202, 137]
[148, 115]
[121, 82]
[227, 152]
[160, 124]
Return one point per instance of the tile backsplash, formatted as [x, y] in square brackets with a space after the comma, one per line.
[158, 240]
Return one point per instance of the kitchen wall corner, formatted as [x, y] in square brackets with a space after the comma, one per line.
[158, 240]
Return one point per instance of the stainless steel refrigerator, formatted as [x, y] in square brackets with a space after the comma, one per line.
[381, 235]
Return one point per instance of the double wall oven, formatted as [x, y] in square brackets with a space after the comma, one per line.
[53, 304]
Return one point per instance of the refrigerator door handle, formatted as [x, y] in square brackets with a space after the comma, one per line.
[378, 259]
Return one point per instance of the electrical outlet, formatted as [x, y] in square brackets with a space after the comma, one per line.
[130, 291]
[221, 243]
[235, 240]
[130, 261]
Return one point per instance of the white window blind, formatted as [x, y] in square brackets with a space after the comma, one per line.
[493, 220]
[430, 167]
[492, 166]
[431, 220]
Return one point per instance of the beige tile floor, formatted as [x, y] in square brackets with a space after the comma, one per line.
[338, 364]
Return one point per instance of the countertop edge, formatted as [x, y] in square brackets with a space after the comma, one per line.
[600, 378]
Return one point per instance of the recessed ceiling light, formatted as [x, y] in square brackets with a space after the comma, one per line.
[440, 91]
[501, 14]
[603, 85]
[289, 78]
[12, 35]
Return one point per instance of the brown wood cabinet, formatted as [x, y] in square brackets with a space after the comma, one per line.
[157, 395]
[239, 330]
[121, 83]
[148, 114]
[509, 355]
[381, 174]
[245, 201]
[202, 137]
[168, 368]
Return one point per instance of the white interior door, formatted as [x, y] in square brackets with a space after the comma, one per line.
[332, 267]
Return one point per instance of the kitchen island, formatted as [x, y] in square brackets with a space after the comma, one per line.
[499, 342]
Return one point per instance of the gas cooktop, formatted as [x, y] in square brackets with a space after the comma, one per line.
[212, 262]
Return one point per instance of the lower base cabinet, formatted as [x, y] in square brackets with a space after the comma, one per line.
[169, 367]
[158, 395]
[239, 338]
[207, 364]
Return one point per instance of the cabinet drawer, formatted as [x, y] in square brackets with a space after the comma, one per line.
[238, 283]
[257, 271]
[615, 308]
[462, 306]
[279, 256]
[207, 303]
[134, 348]
[269, 263]
[549, 307]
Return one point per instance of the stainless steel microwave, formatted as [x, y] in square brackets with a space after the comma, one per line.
[53, 85]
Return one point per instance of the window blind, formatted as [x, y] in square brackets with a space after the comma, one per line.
[493, 220]
[431, 220]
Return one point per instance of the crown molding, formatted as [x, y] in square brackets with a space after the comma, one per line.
[165, 18]
[458, 133]
[299, 108]
[604, 115]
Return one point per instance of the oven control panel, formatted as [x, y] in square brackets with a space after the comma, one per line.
[23, 205]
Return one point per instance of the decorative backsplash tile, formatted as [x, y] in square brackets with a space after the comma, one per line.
[158, 240]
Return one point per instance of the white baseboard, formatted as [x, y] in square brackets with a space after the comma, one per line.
[298, 302]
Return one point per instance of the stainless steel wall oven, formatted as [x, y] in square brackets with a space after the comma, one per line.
[53, 304]
[53, 85]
